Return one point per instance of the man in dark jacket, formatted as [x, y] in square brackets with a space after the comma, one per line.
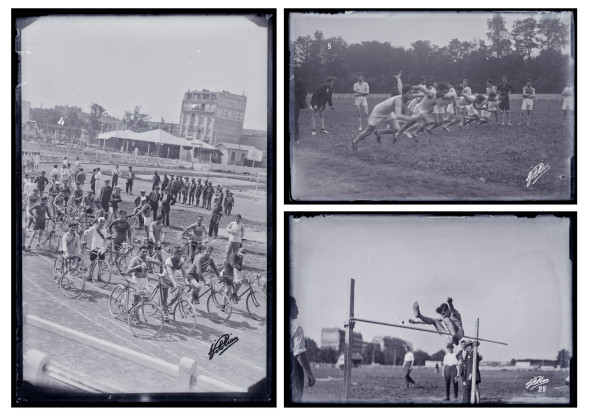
[297, 102]
[153, 199]
[321, 97]
[105, 195]
[467, 371]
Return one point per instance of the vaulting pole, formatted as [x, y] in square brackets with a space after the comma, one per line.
[349, 333]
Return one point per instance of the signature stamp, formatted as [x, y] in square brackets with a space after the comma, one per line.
[536, 173]
[539, 382]
[221, 345]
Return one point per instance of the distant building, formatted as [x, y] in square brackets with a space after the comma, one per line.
[335, 338]
[212, 117]
[239, 155]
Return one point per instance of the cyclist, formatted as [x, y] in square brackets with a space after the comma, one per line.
[139, 265]
[198, 234]
[146, 211]
[32, 199]
[98, 236]
[99, 211]
[156, 233]
[71, 245]
[59, 204]
[38, 213]
[123, 231]
[172, 265]
[231, 273]
[200, 265]
[77, 196]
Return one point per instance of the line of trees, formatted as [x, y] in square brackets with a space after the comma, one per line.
[74, 118]
[532, 49]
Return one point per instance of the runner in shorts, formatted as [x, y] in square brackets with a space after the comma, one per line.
[504, 94]
[38, 213]
[568, 101]
[361, 90]
[528, 95]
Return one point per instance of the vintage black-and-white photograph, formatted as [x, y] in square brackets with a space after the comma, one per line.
[431, 106]
[146, 231]
[424, 309]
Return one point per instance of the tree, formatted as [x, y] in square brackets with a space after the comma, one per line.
[96, 113]
[328, 355]
[551, 33]
[563, 358]
[498, 35]
[136, 120]
[438, 356]
[524, 36]
[420, 357]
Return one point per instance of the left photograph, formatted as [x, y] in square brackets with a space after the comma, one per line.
[144, 269]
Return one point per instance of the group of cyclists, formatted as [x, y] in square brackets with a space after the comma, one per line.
[100, 230]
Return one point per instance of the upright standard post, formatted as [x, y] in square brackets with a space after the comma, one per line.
[475, 356]
[349, 333]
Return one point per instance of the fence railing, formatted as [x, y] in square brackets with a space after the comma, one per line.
[39, 367]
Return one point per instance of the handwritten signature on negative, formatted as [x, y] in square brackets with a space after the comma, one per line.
[221, 345]
[536, 382]
[536, 173]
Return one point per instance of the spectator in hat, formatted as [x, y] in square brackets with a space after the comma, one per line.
[115, 175]
[105, 195]
[165, 182]
[466, 372]
[449, 371]
[155, 180]
[137, 204]
[129, 183]
[93, 180]
[98, 176]
[153, 199]
[81, 177]
[299, 365]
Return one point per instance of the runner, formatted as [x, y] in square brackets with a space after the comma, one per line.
[361, 90]
[528, 96]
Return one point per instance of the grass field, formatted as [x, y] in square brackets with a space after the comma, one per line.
[485, 162]
[387, 385]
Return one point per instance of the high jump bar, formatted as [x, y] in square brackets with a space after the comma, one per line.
[419, 329]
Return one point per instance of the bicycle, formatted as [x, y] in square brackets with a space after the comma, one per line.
[256, 301]
[188, 255]
[49, 239]
[217, 304]
[74, 278]
[184, 314]
[144, 318]
[119, 262]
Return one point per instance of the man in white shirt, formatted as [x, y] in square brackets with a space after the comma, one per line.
[236, 232]
[299, 364]
[408, 362]
[568, 101]
[97, 234]
[449, 371]
[361, 90]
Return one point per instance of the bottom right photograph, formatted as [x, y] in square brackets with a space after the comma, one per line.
[430, 309]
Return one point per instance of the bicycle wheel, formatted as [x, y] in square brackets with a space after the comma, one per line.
[145, 320]
[257, 305]
[219, 307]
[58, 268]
[72, 283]
[120, 301]
[185, 316]
[101, 274]
[52, 243]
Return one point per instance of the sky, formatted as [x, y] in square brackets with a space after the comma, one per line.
[403, 28]
[513, 274]
[120, 62]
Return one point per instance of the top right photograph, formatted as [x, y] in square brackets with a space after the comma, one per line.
[431, 106]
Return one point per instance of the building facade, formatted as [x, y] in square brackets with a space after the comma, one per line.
[212, 117]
